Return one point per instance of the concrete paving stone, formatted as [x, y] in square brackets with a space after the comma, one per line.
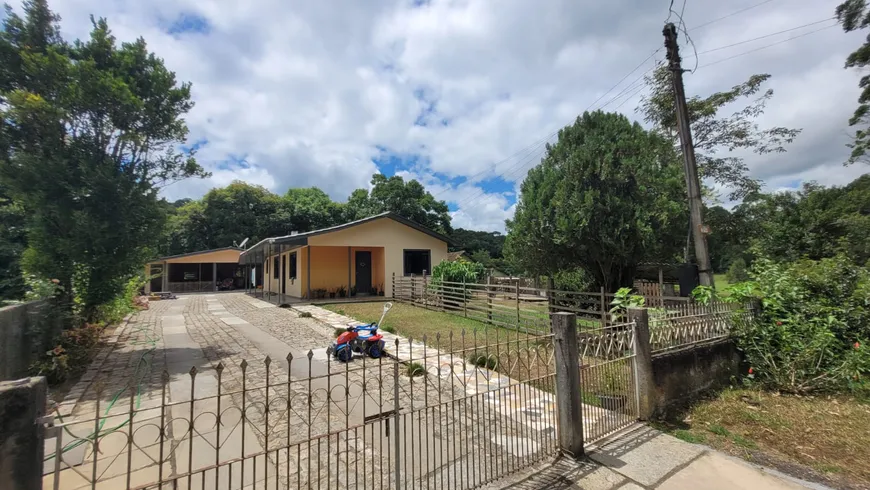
[719, 472]
[645, 455]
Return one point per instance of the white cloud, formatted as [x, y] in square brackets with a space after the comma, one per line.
[306, 92]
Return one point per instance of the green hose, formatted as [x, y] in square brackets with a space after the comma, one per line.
[144, 359]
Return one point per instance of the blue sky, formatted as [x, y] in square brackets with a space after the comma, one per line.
[460, 95]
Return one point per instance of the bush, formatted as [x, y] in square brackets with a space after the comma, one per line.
[812, 331]
[483, 360]
[575, 280]
[71, 354]
[457, 271]
[738, 272]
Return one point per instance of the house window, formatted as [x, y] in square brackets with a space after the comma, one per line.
[293, 265]
[417, 261]
[276, 265]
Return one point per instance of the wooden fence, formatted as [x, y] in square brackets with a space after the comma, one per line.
[513, 306]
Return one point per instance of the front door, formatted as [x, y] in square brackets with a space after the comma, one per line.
[156, 282]
[363, 272]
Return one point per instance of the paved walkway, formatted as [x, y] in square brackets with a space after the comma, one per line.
[645, 459]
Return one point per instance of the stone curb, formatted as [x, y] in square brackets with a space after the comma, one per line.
[68, 405]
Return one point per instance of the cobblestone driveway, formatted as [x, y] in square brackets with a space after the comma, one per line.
[319, 420]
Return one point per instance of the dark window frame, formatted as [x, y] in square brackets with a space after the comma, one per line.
[427, 268]
[293, 264]
[276, 267]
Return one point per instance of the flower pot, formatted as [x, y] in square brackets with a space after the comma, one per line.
[380, 293]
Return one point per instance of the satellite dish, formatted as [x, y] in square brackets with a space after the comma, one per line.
[242, 245]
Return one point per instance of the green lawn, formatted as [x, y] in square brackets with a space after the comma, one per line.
[721, 281]
[415, 322]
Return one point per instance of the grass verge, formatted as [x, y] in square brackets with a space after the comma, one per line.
[829, 435]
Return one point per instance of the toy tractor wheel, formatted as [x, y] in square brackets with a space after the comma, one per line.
[344, 354]
[374, 351]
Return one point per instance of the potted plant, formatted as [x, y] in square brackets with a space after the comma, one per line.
[342, 291]
[353, 290]
[380, 289]
[332, 294]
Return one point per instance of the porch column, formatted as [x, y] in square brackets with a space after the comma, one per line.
[308, 274]
[165, 279]
[349, 269]
[214, 276]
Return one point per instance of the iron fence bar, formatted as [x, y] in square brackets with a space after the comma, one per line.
[190, 426]
[396, 414]
[96, 449]
[130, 413]
[267, 362]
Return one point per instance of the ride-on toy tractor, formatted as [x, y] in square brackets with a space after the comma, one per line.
[363, 339]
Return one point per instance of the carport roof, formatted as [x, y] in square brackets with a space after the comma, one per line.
[301, 239]
[191, 254]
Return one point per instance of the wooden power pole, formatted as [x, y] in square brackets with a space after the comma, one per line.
[696, 209]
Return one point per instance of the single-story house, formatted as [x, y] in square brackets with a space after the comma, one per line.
[358, 257]
[208, 270]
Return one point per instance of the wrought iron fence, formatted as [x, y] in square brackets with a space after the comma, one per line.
[608, 379]
[705, 323]
[421, 418]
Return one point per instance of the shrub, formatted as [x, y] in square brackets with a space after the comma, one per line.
[811, 333]
[483, 360]
[70, 356]
[457, 271]
[305, 314]
[737, 272]
[576, 280]
[624, 299]
[415, 369]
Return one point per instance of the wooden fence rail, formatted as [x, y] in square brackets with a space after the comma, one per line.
[518, 307]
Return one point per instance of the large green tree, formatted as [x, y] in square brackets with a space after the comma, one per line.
[89, 132]
[855, 15]
[13, 240]
[714, 134]
[606, 196]
[408, 199]
[472, 240]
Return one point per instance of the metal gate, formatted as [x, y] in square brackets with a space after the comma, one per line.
[458, 413]
[608, 379]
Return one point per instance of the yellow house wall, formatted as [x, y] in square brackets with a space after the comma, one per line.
[390, 235]
[328, 267]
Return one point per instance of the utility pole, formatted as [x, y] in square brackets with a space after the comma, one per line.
[696, 209]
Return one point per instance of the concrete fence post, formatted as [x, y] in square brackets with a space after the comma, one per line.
[569, 408]
[643, 371]
[22, 439]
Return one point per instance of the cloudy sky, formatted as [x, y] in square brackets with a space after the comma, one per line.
[462, 94]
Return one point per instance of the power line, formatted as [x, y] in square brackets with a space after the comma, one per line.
[768, 46]
[731, 14]
[632, 89]
[767, 35]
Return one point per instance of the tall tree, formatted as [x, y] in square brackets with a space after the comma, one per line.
[311, 209]
[88, 134]
[715, 135]
[607, 195]
[472, 240]
[855, 15]
[13, 241]
[408, 199]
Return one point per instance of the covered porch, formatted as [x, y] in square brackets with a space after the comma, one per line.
[298, 273]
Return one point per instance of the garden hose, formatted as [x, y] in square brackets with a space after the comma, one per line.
[144, 359]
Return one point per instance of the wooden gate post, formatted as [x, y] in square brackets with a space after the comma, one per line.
[425, 296]
[489, 299]
[643, 370]
[569, 404]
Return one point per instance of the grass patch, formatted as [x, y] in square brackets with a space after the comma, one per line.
[444, 331]
[721, 281]
[483, 360]
[827, 434]
[305, 314]
[415, 369]
[689, 436]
